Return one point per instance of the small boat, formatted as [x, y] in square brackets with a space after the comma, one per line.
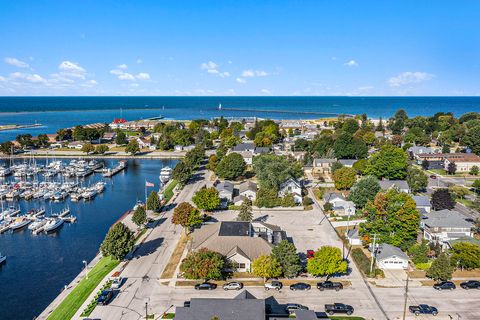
[75, 196]
[166, 174]
[36, 212]
[19, 223]
[11, 211]
[52, 225]
[37, 224]
[138, 204]
[100, 186]
[89, 194]
[3, 258]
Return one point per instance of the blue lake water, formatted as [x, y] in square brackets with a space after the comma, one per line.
[38, 267]
[60, 112]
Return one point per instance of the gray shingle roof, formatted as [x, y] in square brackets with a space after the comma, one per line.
[244, 146]
[387, 184]
[226, 185]
[247, 185]
[422, 201]
[332, 195]
[446, 219]
[385, 251]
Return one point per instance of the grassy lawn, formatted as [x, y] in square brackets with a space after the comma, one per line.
[168, 193]
[69, 306]
[175, 258]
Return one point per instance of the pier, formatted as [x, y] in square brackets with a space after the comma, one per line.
[19, 126]
[332, 114]
[111, 172]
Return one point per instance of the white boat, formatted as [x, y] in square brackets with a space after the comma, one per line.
[166, 174]
[100, 186]
[52, 224]
[2, 258]
[10, 212]
[89, 194]
[36, 212]
[138, 204]
[37, 224]
[5, 171]
[75, 196]
[19, 223]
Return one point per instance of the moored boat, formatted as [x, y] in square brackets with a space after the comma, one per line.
[52, 224]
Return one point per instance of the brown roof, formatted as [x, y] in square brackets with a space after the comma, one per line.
[463, 157]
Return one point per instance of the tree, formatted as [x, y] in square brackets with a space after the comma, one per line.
[286, 253]
[465, 255]
[364, 190]
[272, 170]
[121, 138]
[419, 252]
[442, 199]
[390, 163]
[182, 172]
[451, 168]
[417, 180]
[326, 261]
[132, 147]
[425, 164]
[139, 216]
[118, 242]
[6, 147]
[393, 216]
[266, 267]
[348, 147]
[476, 184]
[212, 162]
[231, 166]
[245, 213]
[397, 123]
[25, 140]
[206, 199]
[267, 198]
[101, 149]
[153, 202]
[474, 171]
[335, 166]
[87, 148]
[472, 139]
[360, 165]
[458, 192]
[42, 140]
[202, 264]
[344, 178]
[186, 215]
[440, 270]
[445, 148]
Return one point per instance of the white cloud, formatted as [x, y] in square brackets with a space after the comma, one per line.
[261, 73]
[212, 68]
[248, 73]
[143, 76]
[72, 67]
[409, 77]
[122, 66]
[241, 80]
[265, 91]
[351, 63]
[116, 72]
[126, 76]
[254, 73]
[213, 71]
[139, 61]
[224, 74]
[209, 65]
[15, 62]
[33, 78]
[2, 79]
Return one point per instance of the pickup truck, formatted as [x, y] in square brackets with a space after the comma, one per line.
[423, 309]
[338, 308]
[329, 285]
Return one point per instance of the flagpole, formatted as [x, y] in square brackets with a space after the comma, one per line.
[145, 191]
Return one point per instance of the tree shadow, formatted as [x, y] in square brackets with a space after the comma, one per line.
[147, 248]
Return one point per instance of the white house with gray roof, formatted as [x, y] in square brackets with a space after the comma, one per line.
[389, 257]
[445, 225]
[400, 185]
[291, 186]
[423, 204]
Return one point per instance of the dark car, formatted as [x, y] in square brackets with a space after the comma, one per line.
[338, 308]
[105, 297]
[205, 286]
[276, 285]
[300, 286]
[292, 307]
[186, 304]
[329, 285]
[423, 309]
[471, 284]
[433, 176]
[444, 285]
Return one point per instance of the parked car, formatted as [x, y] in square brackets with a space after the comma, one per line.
[338, 308]
[310, 254]
[300, 286]
[233, 286]
[276, 285]
[471, 284]
[329, 285]
[433, 176]
[116, 283]
[186, 304]
[105, 296]
[205, 286]
[444, 285]
[423, 309]
[292, 307]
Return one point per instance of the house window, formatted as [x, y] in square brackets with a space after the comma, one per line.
[240, 266]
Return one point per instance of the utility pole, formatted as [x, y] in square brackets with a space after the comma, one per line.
[146, 310]
[374, 250]
[406, 295]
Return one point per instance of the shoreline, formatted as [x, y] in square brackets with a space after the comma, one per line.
[165, 155]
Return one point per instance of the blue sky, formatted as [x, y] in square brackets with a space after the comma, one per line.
[239, 47]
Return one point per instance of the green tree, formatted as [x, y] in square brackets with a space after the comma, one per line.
[132, 147]
[326, 261]
[101, 149]
[121, 138]
[419, 252]
[206, 199]
[118, 242]
[139, 216]
[266, 267]
[42, 140]
[344, 178]
[267, 198]
[286, 254]
[153, 202]
[476, 184]
[87, 148]
[451, 168]
[390, 163]
[442, 199]
[245, 213]
[348, 147]
[25, 140]
[6, 147]
[272, 170]
[440, 268]
[182, 172]
[336, 166]
[186, 215]
[212, 162]
[202, 264]
[231, 166]
[465, 255]
[364, 190]
[360, 165]
[397, 123]
[472, 139]
[393, 216]
[474, 171]
[417, 180]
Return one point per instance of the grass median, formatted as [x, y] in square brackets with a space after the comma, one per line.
[69, 306]
[168, 193]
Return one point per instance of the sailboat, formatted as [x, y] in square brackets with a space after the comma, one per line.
[2, 258]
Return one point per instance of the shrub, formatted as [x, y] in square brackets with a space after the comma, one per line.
[363, 263]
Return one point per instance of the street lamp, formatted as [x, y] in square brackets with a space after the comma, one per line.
[86, 268]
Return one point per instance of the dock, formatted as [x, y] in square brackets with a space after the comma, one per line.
[111, 172]
[19, 126]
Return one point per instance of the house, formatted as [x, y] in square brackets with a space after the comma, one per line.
[415, 150]
[291, 186]
[248, 189]
[225, 190]
[390, 257]
[247, 156]
[344, 208]
[347, 162]
[178, 148]
[238, 241]
[433, 160]
[76, 145]
[244, 306]
[423, 204]
[246, 146]
[143, 142]
[271, 233]
[463, 161]
[444, 226]
[52, 137]
[353, 237]
[322, 166]
[333, 197]
[109, 136]
[400, 185]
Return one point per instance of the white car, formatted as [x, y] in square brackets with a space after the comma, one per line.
[116, 283]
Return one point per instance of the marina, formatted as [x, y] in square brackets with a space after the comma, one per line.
[54, 232]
